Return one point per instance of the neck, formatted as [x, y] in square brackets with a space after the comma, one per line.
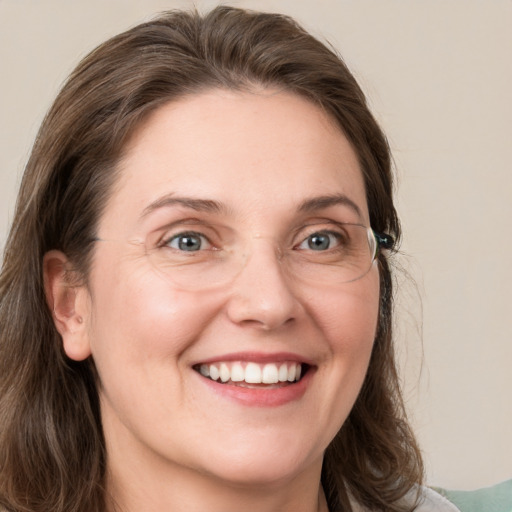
[140, 478]
[183, 490]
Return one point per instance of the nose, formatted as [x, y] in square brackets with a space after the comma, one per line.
[262, 295]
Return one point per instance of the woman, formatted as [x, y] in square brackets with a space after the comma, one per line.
[196, 292]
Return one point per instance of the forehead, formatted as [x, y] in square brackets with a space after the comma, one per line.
[246, 150]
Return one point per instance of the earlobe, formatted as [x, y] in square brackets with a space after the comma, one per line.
[68, 303]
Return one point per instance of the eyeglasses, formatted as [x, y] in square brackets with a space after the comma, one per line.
[199, 258]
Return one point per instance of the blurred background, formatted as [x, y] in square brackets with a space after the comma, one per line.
[438, 76]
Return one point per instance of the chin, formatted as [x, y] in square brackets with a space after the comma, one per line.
[260, 465]
[258, 475]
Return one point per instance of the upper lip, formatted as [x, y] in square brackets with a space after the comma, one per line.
[257, 357]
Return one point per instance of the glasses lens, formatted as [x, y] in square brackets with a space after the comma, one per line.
[324, 258]
[344, 256]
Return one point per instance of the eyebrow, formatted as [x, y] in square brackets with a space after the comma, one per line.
[200, 205]
[211, 206]
[321, 202]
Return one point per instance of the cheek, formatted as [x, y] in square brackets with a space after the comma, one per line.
[138, 316]
[142, 329]
[349, 316]
[346, 318]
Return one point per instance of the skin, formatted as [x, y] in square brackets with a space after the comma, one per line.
[174, 443]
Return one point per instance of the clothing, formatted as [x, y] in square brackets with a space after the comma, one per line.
[435, 502]
[430, 501]
[497, 498]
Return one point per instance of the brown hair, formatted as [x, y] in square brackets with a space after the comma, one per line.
[52, 454]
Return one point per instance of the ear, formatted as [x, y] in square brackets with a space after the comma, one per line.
[69, 304]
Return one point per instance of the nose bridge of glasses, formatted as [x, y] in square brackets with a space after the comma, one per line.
[261, 249]
[259, 257]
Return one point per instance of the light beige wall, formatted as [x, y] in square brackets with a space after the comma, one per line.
[439, 75]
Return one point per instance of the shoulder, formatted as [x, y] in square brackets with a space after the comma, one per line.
[432, 501]
[497, 498]
[427, 500]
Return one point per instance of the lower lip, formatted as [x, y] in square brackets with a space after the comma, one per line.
[261, 397]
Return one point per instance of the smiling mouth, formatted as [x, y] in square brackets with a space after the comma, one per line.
[250, 374]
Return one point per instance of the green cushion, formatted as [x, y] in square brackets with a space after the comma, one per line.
[491, 499]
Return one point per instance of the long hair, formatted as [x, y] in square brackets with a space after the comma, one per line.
[52, 453]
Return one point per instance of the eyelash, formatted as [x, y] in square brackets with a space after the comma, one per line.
[167, 241]
[323, 232]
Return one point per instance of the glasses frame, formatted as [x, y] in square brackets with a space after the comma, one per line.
[382, 241]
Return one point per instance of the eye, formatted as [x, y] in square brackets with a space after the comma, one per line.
[320, 241]
[190, 241]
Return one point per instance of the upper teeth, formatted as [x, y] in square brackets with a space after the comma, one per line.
[252, 373]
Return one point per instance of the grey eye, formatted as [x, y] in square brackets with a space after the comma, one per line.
[320, 241]
[189, 242]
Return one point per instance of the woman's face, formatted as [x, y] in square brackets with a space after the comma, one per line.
[245, 176]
